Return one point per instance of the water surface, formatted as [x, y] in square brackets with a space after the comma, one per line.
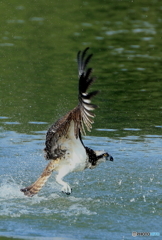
[38, 84]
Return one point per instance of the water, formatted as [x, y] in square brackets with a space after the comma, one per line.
[38, 84]
[109, 202]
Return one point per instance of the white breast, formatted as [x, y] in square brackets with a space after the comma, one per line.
[75, 157]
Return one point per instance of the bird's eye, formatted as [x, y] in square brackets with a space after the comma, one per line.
[105, 154]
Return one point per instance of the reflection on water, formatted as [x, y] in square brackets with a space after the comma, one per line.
[38, 84]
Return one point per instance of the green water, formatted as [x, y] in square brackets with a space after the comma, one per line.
[39, 41]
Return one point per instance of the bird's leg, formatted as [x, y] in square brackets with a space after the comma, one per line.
[39, 183]
[62, 173]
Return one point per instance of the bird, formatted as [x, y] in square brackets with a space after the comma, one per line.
[64, 147]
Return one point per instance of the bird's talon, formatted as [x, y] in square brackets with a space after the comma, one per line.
[67, 189]
[67, 193]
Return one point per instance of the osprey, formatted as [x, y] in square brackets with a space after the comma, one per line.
[65, 149]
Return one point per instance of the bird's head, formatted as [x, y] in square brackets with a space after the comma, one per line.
[107, 156]
[104, 156]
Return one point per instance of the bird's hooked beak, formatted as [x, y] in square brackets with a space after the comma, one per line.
[109, 157]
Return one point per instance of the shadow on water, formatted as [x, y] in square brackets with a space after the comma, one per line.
[38, 84]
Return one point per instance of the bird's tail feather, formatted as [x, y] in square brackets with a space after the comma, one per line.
[39, 183]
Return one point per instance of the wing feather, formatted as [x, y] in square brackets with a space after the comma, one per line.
[85, 81]
[81, 115]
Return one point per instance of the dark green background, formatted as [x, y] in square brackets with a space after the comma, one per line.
[39, 41]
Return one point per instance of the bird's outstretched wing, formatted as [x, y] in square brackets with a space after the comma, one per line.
[85, 80]
[81, 115]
